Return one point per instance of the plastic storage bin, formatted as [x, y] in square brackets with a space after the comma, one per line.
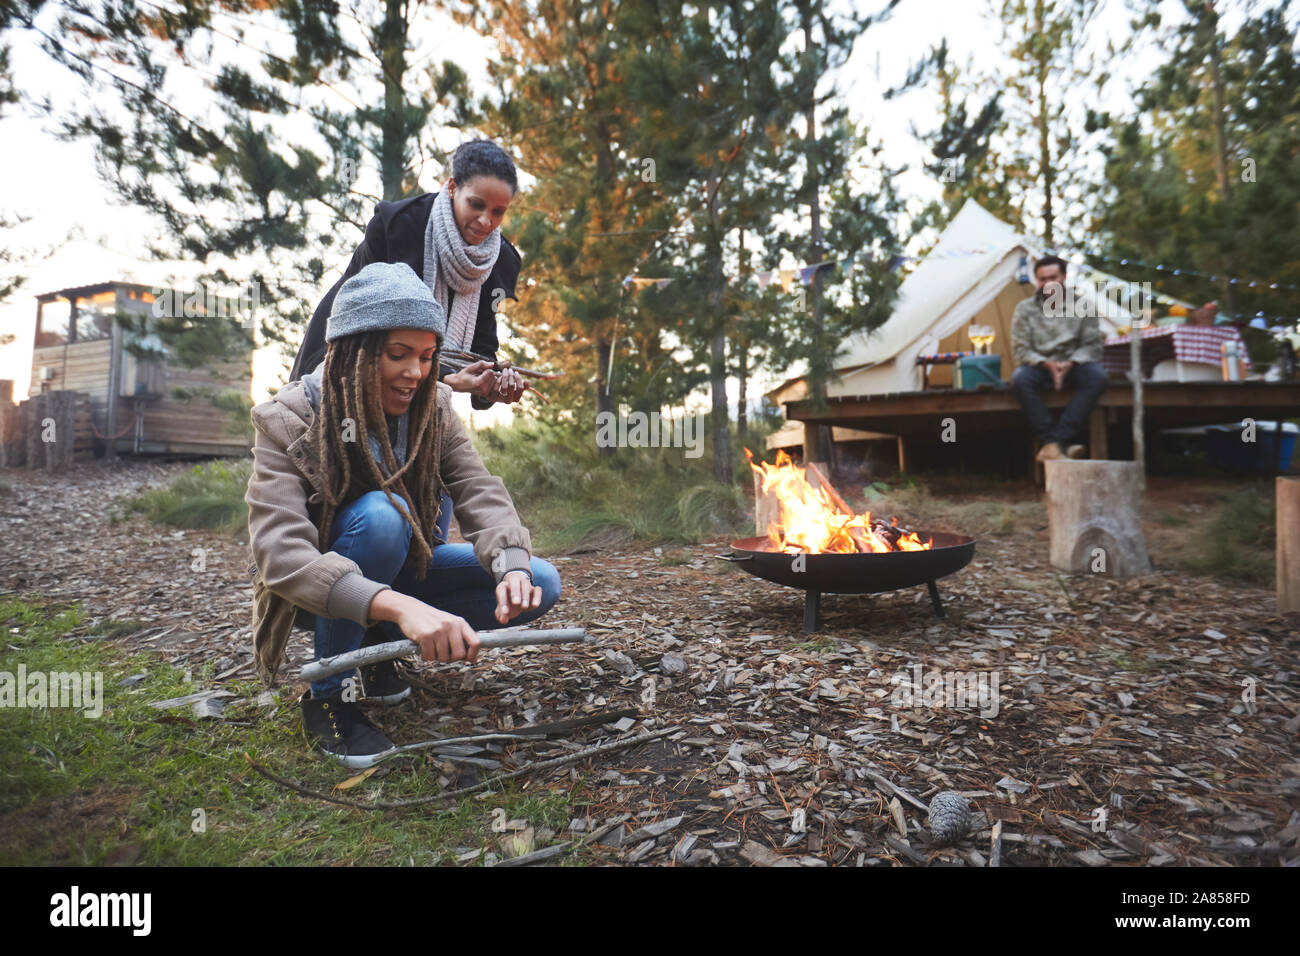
[1227, 450]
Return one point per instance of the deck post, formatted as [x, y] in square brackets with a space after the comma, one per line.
[1288, 543]
[1097, 440]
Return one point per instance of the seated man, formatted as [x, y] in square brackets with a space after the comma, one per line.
[1054, 345]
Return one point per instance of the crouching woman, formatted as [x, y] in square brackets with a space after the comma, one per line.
[349, 466]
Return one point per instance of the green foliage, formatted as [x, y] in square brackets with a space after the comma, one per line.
[570, 496]
[1044, 142]
[965, 161]
[126, 786]
[1201, 176]
[207, 496]
[1240, 541]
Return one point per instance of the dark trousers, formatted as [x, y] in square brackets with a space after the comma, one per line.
[377, 537]
[1087, 380]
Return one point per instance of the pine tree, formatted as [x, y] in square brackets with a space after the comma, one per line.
[964, 162]
[717, 107]
[566, 108]
[826, 41]
[1201, 177]
[263, 176]
[1044, 42]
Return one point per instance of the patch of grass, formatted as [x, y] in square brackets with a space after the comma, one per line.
[571, 496]
[1126, 663]
[119, 627]
[207, 496]
[161, 788]
[915, 506]
[1239, 539]
[817, 645]
[673, 559]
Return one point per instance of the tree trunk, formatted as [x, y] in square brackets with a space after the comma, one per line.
[604, 400]
[817, 438]
[1045, 160]
[392, 55]
[742, 375]
[718, 350]
[1288, 542]
[1221, 151]
[718, 388]
[742, 356]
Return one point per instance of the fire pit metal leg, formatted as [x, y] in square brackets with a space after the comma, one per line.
[812, 611]
[934, 599]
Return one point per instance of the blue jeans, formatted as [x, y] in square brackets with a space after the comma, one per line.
[444, 517]
[372, 533]
[1087, 380]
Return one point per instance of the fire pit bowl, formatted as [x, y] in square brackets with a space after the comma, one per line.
[868, 573]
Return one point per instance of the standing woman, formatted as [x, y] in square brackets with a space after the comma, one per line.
[348, 467]
[452, 240]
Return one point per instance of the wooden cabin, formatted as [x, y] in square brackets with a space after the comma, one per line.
[148, 406]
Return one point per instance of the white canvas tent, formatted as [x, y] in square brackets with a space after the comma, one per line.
[970, 277]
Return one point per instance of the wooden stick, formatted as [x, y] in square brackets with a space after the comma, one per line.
[470, 357]
[522, 733]
[894, 789]
[376, 653]
[545, 853]
[456, 366]
[420, 801]
[903, 847]
[830, 489]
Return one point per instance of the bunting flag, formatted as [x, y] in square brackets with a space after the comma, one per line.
[1258, 321]
[895, 261]
[1231, 280]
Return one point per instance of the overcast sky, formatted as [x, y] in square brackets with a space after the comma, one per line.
[56, 185]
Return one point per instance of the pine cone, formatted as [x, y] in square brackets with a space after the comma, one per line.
[950, 817]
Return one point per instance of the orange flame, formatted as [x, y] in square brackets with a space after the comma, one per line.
[809, 519]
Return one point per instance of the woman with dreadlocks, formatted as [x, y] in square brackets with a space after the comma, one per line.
[354, 458]
[452, 240]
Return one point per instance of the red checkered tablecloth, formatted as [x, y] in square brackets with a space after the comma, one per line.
[1185, 343]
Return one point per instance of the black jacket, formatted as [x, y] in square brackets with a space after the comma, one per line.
[396, 234]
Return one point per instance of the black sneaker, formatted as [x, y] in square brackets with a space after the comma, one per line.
[380, 683]
[340, 729]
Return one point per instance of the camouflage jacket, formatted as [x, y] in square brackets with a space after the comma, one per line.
[1042, 334]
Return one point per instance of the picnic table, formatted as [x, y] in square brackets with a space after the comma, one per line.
[1195, 344]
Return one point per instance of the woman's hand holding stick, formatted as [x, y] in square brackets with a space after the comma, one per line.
[479, 376]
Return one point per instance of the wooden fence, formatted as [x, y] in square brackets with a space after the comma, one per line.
[49, 430]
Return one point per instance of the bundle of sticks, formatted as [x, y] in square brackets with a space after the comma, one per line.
[886, 531]
[889, 532]
[456, 360]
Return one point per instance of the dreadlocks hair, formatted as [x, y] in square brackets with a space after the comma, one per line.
[351, 390]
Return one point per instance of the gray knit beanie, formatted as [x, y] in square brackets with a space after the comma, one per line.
[385, 295]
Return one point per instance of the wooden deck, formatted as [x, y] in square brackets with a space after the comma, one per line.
[919, 416]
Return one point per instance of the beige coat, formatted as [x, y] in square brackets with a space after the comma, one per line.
[289, 570]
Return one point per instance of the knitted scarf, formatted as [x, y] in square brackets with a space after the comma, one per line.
[451, 263]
